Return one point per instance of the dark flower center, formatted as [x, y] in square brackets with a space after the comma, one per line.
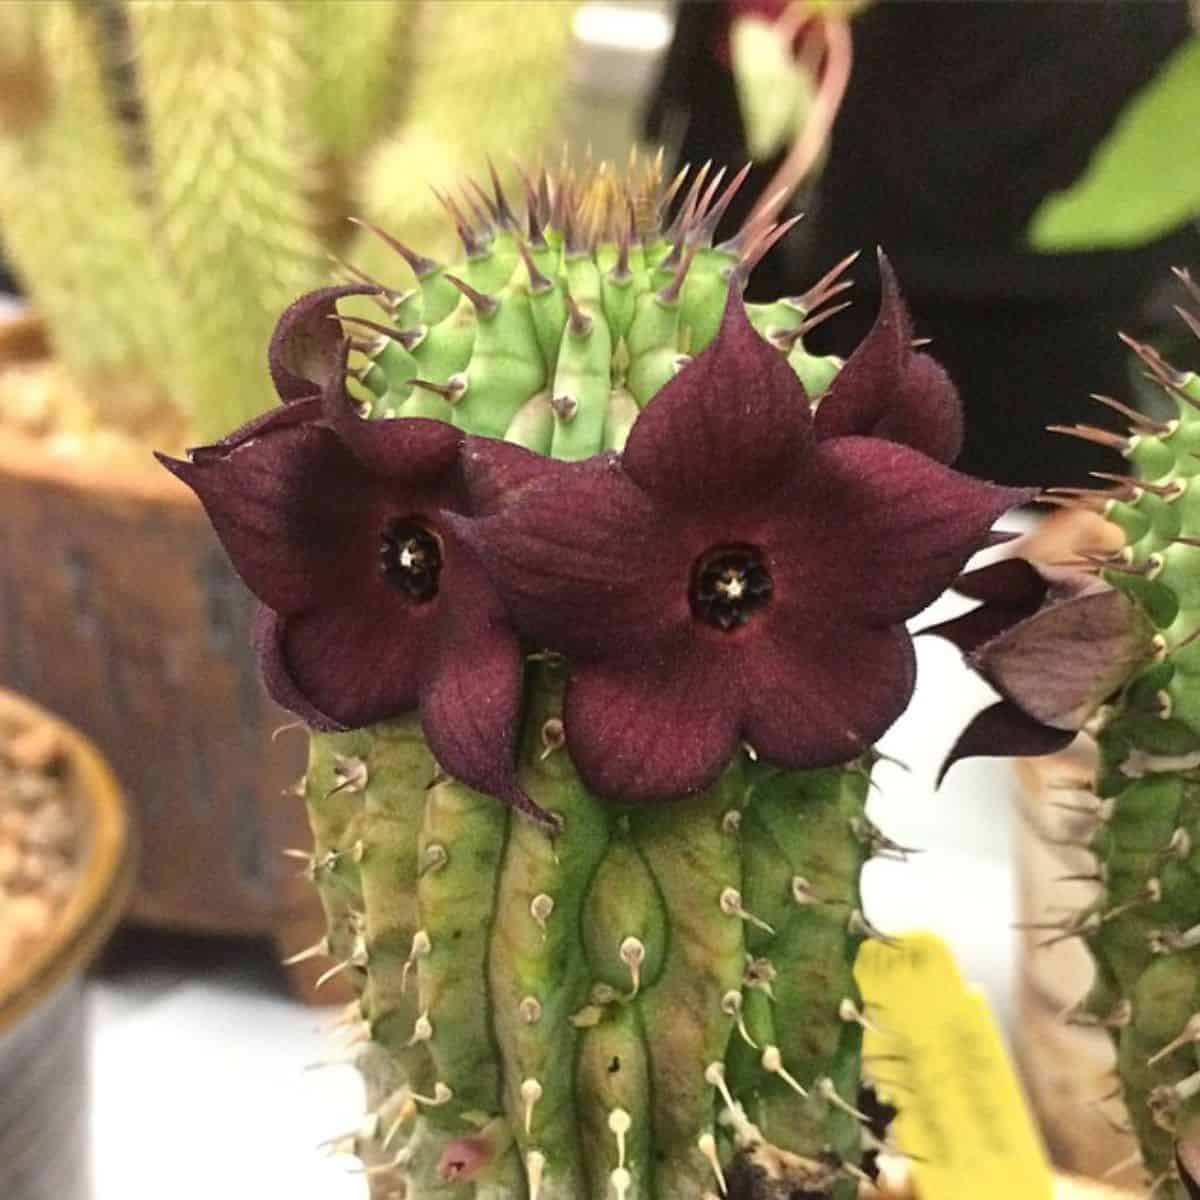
[729, 583]
[410, 558]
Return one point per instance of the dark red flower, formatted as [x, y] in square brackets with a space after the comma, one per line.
[372, 604]
[1054, 643]
[889, 390]
[307, 351]
[729, 577]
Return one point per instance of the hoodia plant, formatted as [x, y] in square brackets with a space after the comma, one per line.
[1111, 644]
[591, 582]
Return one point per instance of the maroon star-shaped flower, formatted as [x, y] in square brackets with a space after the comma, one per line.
[729, 577]
[1054, 643]
[372, 604]
[888, 389]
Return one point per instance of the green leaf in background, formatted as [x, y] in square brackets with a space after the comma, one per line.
[774, 93]
[1144, 179]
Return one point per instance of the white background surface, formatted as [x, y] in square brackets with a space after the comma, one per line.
[201, 1091]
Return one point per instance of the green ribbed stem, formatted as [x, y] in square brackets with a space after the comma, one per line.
[1143, 928]
[563, 1002]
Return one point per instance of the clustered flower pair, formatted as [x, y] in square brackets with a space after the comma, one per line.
[740, 573]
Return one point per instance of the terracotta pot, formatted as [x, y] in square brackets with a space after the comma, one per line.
[118, 610]
[43, 1021]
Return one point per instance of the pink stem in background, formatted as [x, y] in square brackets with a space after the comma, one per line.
[834, 33]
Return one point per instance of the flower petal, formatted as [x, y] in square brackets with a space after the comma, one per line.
[1011, 590]
[585, 562]
[306, 347]
[268, 639]
[1004, 731]
[354, 664]
[887, 390]
[880, 530]
[733, 423]
[815, 701]
[1061, 664]
[496, 472]
[416, 449]
[289, 506]
[649, 729]
[282, 416]
[471, 694]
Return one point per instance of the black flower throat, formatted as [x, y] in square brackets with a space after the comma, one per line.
[729, 584]
[410, 558]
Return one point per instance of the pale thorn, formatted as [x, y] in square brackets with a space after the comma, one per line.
[305, 856]
[316, 950]
[849, 1012]
[621, 1182]
[760, 974]
[531, 1093]
[1167, 941]
[731, 1006]
[553, 737]
[853, 1172]
[401, 1158]
[535, 1168]
[830, 1094]
[731, 905]
[434, 857]
[707, 1145]
[633, 954]
[714, 1076]
[540, 909]
[1067, 784]
[1189, 1033]
[1166, 1100]
[441, 1095]
[333, 972]
[422, 1030]
[421, 947]
[530, 1008]
[731, 822]
[408, 1110]
[858, 924]
[350, 772]
[772, 1063]
[1180, 844]
[620, 1123]
[1130, 1160]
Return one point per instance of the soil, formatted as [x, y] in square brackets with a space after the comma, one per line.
[41, 844]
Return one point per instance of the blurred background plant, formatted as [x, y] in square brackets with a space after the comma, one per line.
[172, 174]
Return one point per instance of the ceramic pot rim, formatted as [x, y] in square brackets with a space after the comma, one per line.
[105, 880]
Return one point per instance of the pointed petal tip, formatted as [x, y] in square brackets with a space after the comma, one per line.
[1004, 731]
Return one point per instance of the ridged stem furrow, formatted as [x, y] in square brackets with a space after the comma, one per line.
[1144, 931]
[628, 1009]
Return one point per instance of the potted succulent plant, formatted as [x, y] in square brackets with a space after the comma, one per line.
[170, 174]
[591, 582]
[66, 869]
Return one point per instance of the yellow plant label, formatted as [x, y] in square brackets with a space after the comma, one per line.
[935, 1052]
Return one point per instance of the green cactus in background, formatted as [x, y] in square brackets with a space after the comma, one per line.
[1110, 643]
[1144, 930]
[171, 173]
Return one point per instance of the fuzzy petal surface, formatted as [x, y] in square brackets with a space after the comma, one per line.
[306, 348]
[881, 530]
[1060, 664]
[648, 730]
[816, 701]
[1010, 590]
[733, 424]
[1004, 731]
[287, 506]
[471, 692]
[583, 563]
[496, 472]
[889, 390]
